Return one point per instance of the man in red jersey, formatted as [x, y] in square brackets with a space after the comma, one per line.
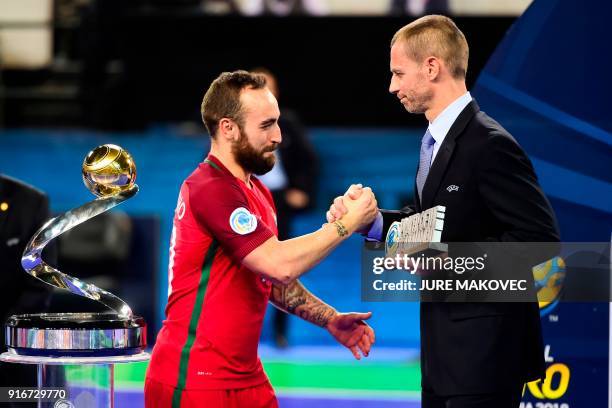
[226, 262]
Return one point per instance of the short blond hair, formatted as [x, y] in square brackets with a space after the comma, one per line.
[436, 36]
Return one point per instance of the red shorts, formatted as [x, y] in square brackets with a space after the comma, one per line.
[158, 395]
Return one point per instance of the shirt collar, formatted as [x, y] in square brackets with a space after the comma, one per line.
[442, 124]
[216, 163]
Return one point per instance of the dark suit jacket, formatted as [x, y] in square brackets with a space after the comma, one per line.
[28, 210]
[471, 348]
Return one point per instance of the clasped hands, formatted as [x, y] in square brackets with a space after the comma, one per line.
[357, 209]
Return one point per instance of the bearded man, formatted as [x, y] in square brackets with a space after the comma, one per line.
[226, 262]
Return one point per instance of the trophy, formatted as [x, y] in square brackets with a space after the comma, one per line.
[417, 234]
[109, 172]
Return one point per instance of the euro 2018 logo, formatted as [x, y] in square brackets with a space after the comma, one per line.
[549, 278]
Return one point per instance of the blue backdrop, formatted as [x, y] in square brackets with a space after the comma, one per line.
[548, 83]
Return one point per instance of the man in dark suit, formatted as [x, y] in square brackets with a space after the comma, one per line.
[472, 354]
[23, 210]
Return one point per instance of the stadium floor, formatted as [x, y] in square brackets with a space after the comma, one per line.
[315, 377]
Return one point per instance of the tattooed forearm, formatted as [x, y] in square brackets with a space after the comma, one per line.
[296, 299]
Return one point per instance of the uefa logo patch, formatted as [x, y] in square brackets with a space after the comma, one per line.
[242, 221]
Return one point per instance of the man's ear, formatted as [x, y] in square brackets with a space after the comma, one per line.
[432, 66]
[228, 129]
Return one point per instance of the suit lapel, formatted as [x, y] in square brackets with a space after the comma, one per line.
[437, 170]
[443, 157]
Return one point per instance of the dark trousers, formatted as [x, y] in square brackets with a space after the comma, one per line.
[504, 399]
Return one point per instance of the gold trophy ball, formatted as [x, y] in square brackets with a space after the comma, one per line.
[108, 170]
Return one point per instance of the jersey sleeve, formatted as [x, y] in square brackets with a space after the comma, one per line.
[223, 210]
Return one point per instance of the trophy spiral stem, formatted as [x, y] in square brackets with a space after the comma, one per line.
[33, 263]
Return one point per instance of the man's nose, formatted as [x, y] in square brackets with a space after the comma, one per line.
[393, 88]
[277, 137]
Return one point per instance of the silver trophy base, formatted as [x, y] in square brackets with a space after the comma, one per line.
[75, 335]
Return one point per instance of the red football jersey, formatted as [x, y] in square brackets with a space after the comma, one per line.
[216, 306]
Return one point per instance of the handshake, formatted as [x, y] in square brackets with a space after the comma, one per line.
[356, 209]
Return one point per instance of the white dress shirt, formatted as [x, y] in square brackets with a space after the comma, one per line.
[442, 124]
